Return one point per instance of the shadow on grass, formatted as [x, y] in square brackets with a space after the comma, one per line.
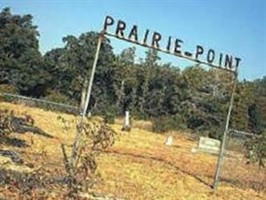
[20, 125]
[26, 185]
[15, 142]
[255, 184]
[161, 160]
[17, 125]
[176, 146]
[30, 180]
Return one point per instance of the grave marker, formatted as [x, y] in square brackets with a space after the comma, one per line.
[207, 145]
[169, 141]
[126, 124]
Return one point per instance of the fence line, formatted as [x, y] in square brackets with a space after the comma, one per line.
[3, 94]
[243, 133]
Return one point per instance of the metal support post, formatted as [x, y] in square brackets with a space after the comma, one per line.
[100, 39]
[221, 155]
[84, 111]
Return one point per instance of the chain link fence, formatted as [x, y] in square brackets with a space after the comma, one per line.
[241, 168]
[41, 103]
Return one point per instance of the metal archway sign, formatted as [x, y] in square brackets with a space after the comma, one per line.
[172, 46]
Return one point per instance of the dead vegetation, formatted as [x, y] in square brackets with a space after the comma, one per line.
[81, 168]
[137, 166]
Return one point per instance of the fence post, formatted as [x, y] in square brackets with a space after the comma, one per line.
[87, 101]
[221, 155]
[100, 39]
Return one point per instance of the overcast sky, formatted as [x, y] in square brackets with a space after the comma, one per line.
[234, 27]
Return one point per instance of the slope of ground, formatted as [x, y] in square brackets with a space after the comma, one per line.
[138, 166]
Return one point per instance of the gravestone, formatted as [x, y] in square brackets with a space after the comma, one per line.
[126, 124]
[207, 145]
[169, 141]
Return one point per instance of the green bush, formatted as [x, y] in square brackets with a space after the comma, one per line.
[168, 123]
[57, 97]
[256, 149]
[7, 89]
[215, 133]
[109, 118]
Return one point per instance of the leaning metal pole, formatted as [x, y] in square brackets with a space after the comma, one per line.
[87, 101]
[221, 155]
[100, 39]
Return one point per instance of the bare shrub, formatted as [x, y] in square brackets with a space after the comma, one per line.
[95, 136]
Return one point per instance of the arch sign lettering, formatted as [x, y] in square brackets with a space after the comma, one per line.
[174, 46]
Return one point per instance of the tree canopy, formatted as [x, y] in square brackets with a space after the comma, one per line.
[194, 98]
[20, 60]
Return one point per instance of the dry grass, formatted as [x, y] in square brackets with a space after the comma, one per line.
[138, 166]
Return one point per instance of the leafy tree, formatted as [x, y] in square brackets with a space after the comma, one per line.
[71, 66]
[20, 60]
[125, 80]
[146, 75]
[257, 110]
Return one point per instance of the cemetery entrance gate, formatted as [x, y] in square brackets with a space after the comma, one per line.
[172, 46]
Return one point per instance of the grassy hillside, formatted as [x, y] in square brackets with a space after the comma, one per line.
[138, 166]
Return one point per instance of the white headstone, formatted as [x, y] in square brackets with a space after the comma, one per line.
[169, 141]
[127, 119]
[126, 124]
[209, 145]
